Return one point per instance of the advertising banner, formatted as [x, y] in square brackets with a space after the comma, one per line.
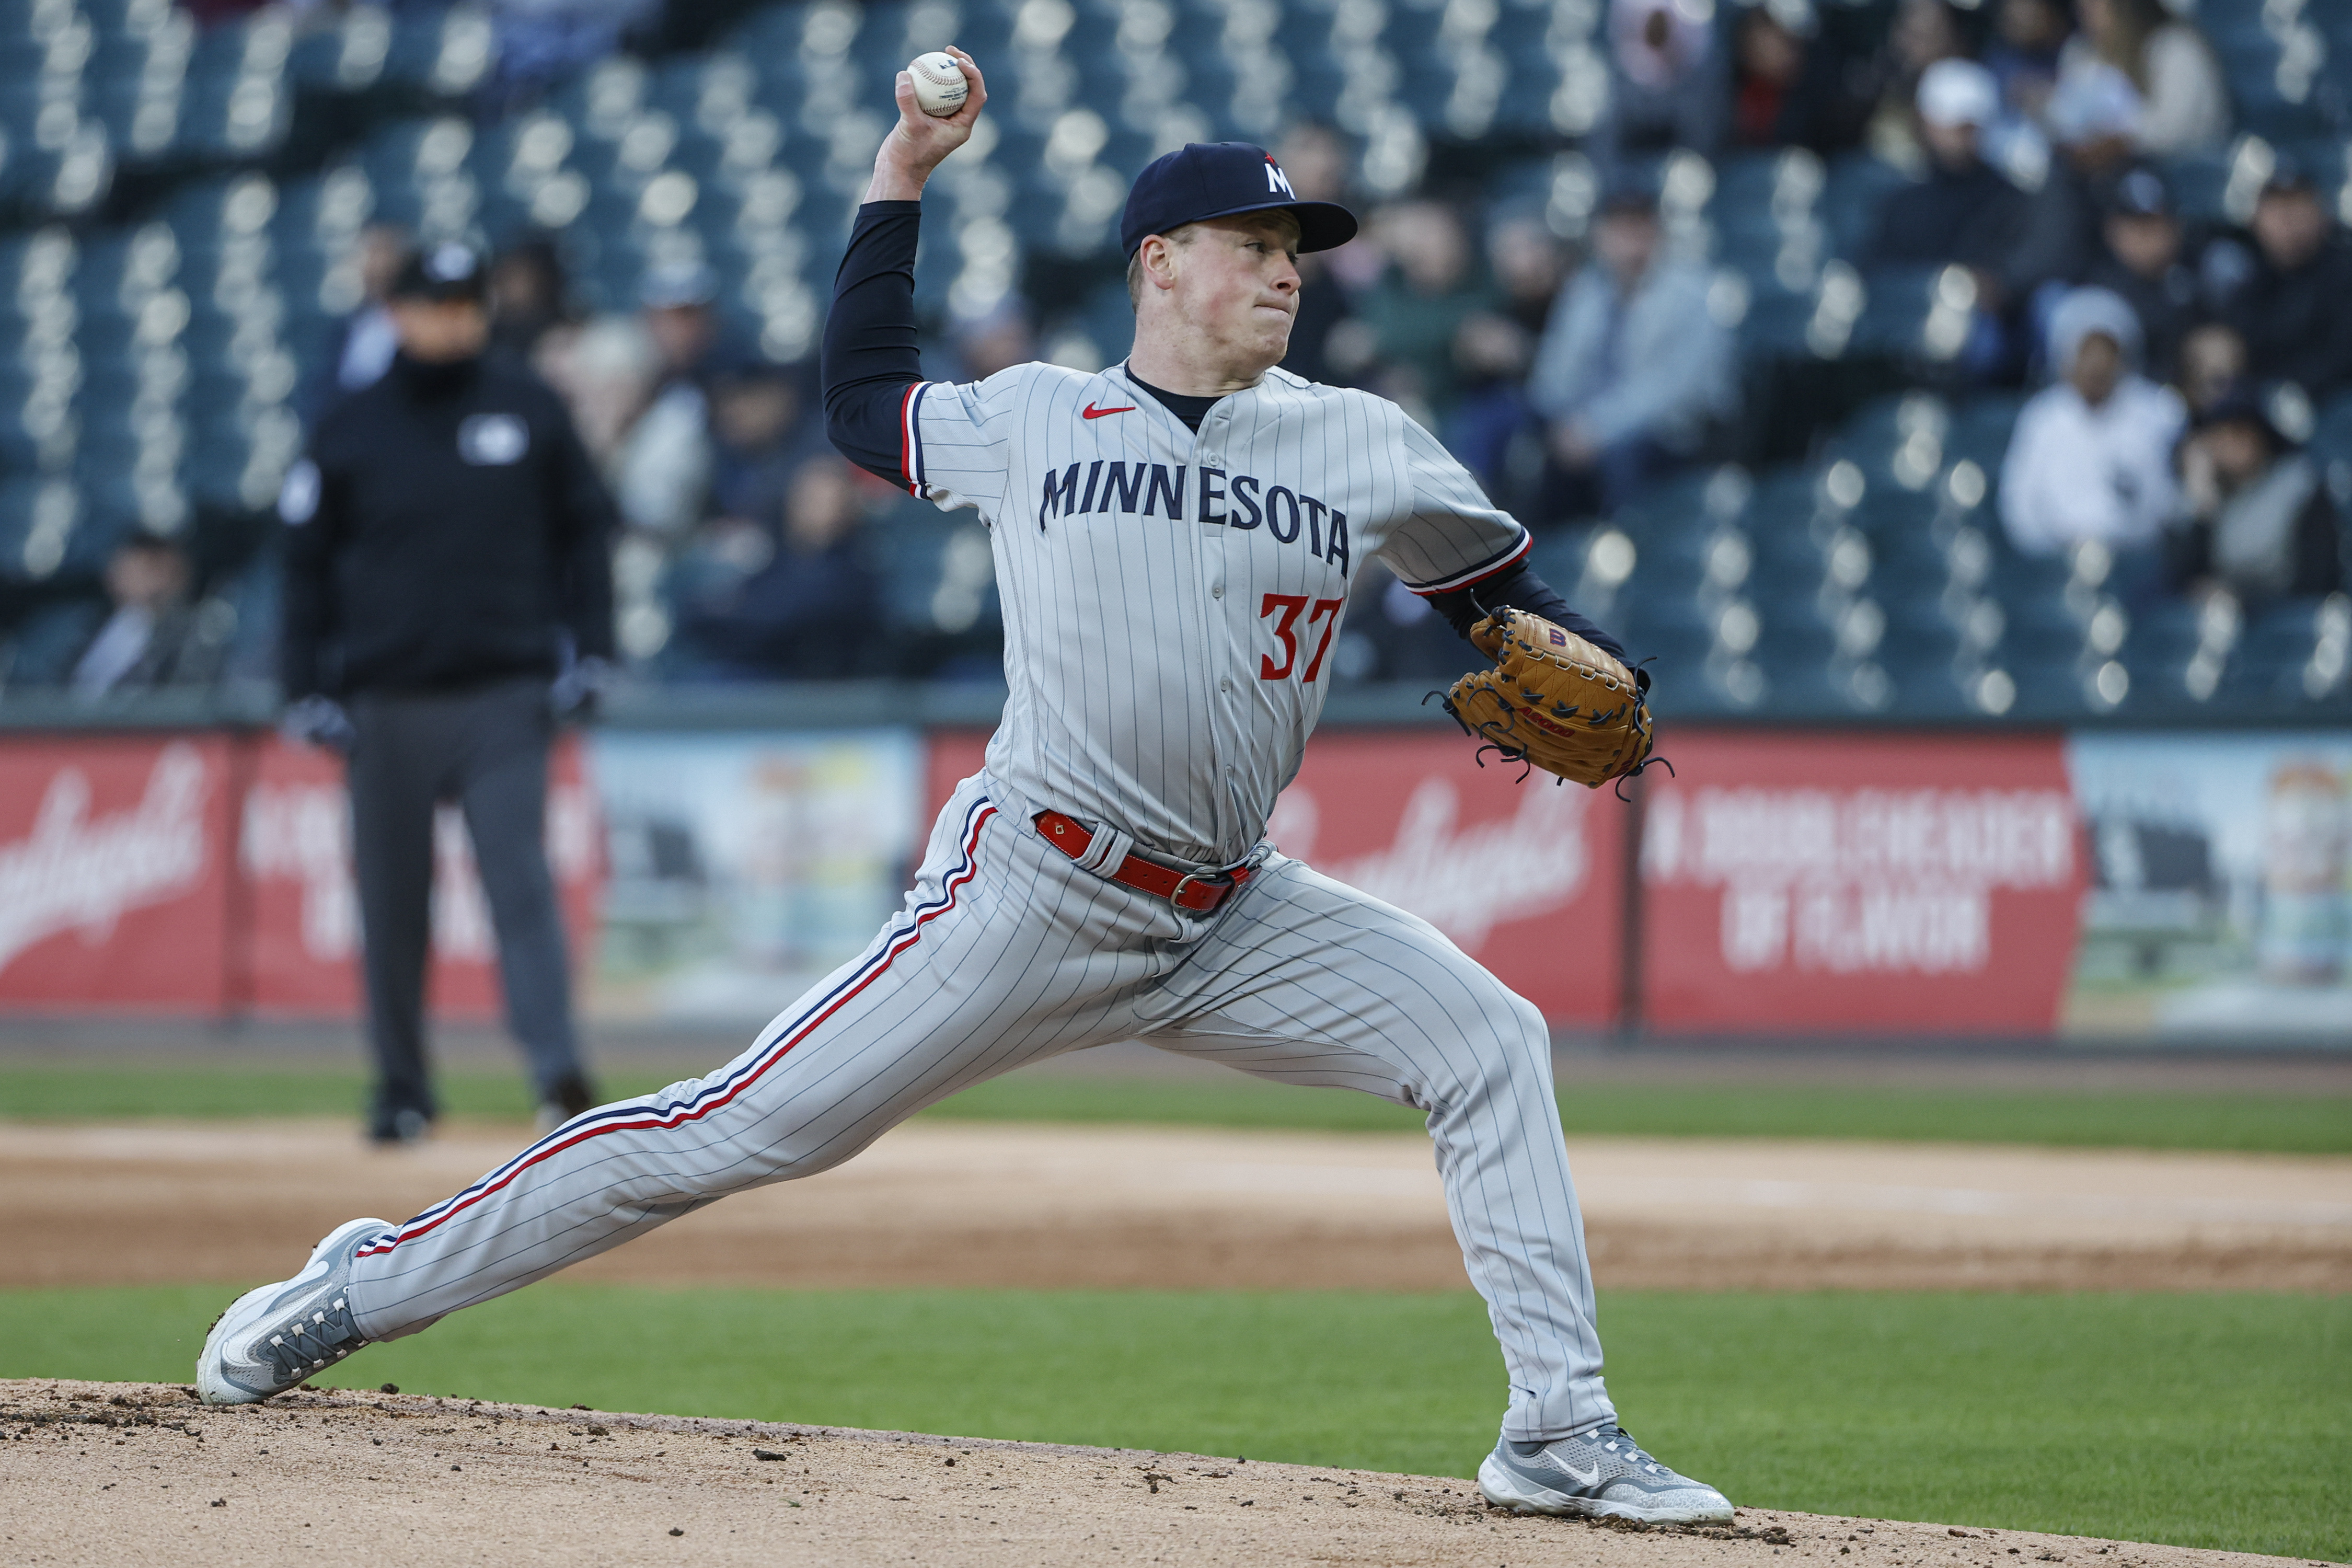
[294, 849]
[1504, 869]
[2221, 899]
[743, 867]
[1833, 880]
[114, 884]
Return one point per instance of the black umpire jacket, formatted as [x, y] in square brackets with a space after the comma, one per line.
[446, 529]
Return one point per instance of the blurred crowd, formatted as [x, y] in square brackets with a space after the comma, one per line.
[2178, 362]
[1573, 361]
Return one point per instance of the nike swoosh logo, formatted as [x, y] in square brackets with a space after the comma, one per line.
[1091, 412]
[1581, 1477]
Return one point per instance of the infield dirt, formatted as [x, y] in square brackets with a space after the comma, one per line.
[970, 1204]
[115, 1473]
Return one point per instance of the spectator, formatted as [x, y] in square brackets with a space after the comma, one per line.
[1666, 81]
[758, 437]
[2141, 259]
[1788, 86]
[606, 371]
[2141, 75]
[527, 296]
[2290, 307]
[2260, 522]
[1633, 371]
[2091, 458]
[1494, 348]
[2212, 361]
[1316, 159]
[812, 610]
[678, 303]
[1529, 264]
[2027, 37]
[1965, 211]
[664, 469]
[153, 636]
[1924, 33]
[542, 42]
[361, 348]
[1415, 312]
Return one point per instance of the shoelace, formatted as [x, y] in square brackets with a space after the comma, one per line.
[308, 1344]
[1617, 1440]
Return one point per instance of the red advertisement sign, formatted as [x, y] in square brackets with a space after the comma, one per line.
[1842, 881]
[114, 883]
[1504, 868]
[295, 850]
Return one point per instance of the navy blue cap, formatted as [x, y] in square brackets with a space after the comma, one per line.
[2289, 173]
[2241, 403]
[2141, 193]
[449, 270]
[1219, 179]
[1630, 191]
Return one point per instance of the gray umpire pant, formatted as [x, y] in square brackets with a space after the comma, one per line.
[484, 749]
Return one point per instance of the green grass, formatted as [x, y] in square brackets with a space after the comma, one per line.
[2315, 1124]
[2217, 1421]
[2309, 1124]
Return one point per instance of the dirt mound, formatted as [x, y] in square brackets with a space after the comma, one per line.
[1057, 1206]
[109, 1473]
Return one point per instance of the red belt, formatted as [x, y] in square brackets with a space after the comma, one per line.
[1186, 889]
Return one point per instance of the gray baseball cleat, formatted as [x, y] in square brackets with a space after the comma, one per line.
[1602, 1473]
[273, 1338]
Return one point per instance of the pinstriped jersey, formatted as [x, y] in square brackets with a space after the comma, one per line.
[1171, 599]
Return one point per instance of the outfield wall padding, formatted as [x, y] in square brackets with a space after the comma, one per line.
[2138, 885]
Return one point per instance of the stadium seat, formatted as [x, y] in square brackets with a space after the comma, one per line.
[41, 649]
[1856, 185]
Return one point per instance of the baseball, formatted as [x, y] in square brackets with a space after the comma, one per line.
[940, 85]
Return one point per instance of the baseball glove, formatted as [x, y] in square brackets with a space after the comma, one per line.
[1553, 701]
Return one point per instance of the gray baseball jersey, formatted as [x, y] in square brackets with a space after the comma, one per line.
[1170, 601]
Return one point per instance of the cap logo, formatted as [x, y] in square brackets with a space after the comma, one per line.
[493, 440]
[449, 263]
[1276, 180]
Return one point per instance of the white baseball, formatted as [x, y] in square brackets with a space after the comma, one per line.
[940, 85]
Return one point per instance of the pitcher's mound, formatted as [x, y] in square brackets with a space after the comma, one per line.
[128, 1473]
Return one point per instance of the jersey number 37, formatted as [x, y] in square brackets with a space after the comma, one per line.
[1284, 610]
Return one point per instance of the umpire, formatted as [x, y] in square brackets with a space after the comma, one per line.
[448, 596]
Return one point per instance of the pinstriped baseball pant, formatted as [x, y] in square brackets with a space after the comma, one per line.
[1005, 953]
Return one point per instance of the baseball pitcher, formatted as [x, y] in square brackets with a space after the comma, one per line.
[1174, 542]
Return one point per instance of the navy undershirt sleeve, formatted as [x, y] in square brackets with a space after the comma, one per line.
[869, 354]
[1518, 588]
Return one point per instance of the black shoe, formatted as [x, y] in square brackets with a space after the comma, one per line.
[394, 1128]
[566, 1098]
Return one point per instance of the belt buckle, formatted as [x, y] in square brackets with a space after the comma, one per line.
[1220, 880]
[1224, 882]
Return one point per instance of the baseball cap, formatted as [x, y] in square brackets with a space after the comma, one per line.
[1219, 179]
[448, 270]
[2289, 173]
[2083, 312]
[1630, 191]
[677, 285]
[2242, 403]
[1958, 92]
[2141, 193]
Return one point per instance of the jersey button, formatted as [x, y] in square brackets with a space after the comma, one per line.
[1225, 686]
[1216, 590]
